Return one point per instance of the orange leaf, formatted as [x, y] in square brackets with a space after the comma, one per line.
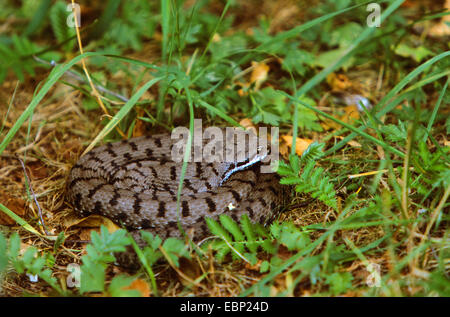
[351, 114]
[259, 74]
[338, 82]
[328, 124]
[141, 286]
[248, 124]
[94, 221]
[284, 150]
[300, 144]
[17, 206]
[139, 128]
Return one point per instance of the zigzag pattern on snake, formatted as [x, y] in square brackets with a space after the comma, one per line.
[134, 183]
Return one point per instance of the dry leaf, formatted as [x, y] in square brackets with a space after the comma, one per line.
[351, 142]
[94, 221]
[351, 114]
[191, 271]
[354, 143]
[259, 74]
[17, 206]
[141, 286]
[257, 77]
[38, 170]
[446, 142]
[441, 29]
[328, 124]
[338, 82]
[300, 144]
[284, 150]
[85, 235]
[216, 38]
[139, 128]
[248, 125]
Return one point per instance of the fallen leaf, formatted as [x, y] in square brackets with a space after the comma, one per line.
[300, 144]
[216, 38]
[442, 28]
[328, 124]
[284, 150]
[338, 82]
[17, 206]
[259, 74]
[351, 114]
[446, 143]
[85, 235]
[37, 169]
[351, 142]
[93, 221]
[141, 286]
[139, 128]
[354, 143]
[248, 125]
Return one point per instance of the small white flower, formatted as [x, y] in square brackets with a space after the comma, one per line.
[231, 207]
[33, 278]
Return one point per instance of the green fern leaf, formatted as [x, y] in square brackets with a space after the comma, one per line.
[217, 229]
[313, 152]
[58, 18]
[232, 227]
[290, 180]
[248, 229]
[312, 179]
[248, 236]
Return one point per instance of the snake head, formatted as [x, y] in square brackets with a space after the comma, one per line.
[259, 156]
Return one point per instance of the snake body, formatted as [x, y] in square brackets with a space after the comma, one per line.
[135, 182]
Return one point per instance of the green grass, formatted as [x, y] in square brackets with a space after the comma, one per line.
[397, 219]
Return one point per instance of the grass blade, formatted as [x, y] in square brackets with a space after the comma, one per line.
[56, 73]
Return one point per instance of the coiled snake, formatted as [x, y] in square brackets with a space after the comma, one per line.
[135, 182]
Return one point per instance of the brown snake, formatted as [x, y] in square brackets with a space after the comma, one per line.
[135, 182]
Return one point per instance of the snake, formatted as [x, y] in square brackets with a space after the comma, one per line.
[135, 183]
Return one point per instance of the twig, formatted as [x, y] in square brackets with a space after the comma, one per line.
[9, 107]
[94, 90]
[34, 196]
[436, 212]
[77, 77]
[406, 162]
[373, 173]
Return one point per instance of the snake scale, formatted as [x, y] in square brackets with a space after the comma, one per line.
[135, 182]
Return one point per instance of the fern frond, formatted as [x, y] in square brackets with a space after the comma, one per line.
[315, 181]
[58, 20]
[247, 227]
[313, 152]
[256, 238]
[395, 133]
[232, 227]
[312, 179]
[217, 229]
[237, 239]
